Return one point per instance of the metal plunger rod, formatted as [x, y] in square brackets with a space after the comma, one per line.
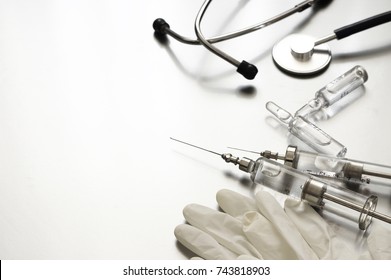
[357, 207]
[376, 174]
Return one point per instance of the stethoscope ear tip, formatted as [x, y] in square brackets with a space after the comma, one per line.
[247, 70]
[160, 26]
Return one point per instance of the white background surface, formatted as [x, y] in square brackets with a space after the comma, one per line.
[89, 99]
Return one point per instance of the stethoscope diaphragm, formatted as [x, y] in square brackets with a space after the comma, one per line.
[294, 55]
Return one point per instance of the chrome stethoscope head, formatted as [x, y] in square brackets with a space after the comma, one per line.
[304, 55]
[296, 54]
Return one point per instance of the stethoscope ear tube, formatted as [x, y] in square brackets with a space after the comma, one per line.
[249, 71]
[362, 25]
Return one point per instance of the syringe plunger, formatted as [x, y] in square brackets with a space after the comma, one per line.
[341, 201]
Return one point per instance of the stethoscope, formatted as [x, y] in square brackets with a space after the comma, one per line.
[248, 70]
[304, 55]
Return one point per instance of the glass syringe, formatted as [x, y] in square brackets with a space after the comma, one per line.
[334, 91]
[323, 195]
[349, 170]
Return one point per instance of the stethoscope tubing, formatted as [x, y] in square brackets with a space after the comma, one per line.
[246, 69]
[347, 30]
[362, 25]
[205, 42]
[162, 27]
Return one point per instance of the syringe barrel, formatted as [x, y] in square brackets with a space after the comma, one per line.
[321, 194]
[343, 85]
[316, 138]
[349, 170]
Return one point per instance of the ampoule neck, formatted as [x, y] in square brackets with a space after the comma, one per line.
[312, 106]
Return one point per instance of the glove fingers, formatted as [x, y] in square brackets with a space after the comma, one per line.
[316, 232]
[296, 246]
[234, 203]
[379, 244]
[202, 244]
[224, 228]
[261, 232]
[267, 238]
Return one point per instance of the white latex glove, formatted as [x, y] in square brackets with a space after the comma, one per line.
[261, 229]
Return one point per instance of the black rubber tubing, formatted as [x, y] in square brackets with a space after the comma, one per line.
[362, 25]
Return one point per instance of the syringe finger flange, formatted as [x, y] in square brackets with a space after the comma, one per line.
[366, 215]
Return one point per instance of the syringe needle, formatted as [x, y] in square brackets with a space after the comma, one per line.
[213, 152]
[254, 152]
[245, 164]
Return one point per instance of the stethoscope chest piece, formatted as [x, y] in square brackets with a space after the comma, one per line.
[297, 55]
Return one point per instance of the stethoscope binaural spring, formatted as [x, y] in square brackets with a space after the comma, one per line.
[248, 70]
